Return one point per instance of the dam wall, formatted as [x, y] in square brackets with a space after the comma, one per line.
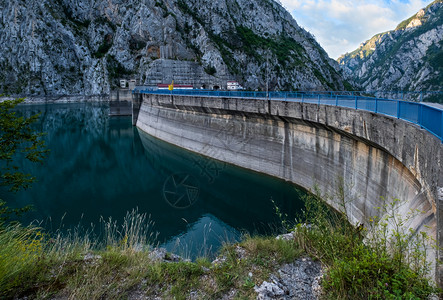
[120, 102]
[360, 159]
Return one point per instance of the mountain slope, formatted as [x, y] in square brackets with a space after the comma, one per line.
[53, 47]
[409, 58]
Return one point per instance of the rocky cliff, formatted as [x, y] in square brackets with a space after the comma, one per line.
[56, 47]
[409, 58]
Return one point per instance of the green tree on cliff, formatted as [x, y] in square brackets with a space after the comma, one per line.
[17, 141]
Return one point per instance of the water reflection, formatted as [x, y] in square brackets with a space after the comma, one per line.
[101, 166]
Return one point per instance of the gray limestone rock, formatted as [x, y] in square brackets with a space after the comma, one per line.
[299, 280]
[161, 255]
[404, 59]
[83, 47]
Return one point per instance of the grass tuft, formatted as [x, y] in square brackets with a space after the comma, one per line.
[20, 251]
[384, 261]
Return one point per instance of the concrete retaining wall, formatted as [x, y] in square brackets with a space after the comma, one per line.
[121, 95]
[371, 158]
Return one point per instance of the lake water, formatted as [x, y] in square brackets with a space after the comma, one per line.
[101, 166]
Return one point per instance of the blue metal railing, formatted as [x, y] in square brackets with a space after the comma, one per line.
[428, 117]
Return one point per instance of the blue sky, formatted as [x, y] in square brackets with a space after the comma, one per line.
[341, 25]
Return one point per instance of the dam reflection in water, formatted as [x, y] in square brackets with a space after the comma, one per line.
[101, 166]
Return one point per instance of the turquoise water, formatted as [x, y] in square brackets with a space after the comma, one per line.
[101, 166]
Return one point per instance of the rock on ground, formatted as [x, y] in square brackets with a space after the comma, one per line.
[299, 280]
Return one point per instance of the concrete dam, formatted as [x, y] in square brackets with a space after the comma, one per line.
[361, 159]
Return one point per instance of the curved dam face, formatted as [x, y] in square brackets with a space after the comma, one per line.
[360, 159]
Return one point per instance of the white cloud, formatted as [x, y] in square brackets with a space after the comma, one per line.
[340, 26]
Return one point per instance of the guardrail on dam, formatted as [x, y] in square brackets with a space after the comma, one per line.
[373, 157]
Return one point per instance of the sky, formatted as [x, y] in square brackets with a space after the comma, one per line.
[340, 26]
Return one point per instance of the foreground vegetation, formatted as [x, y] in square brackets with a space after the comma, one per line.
[121, 265]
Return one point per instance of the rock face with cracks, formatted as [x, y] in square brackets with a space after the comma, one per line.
[300, 280]
[61, 47]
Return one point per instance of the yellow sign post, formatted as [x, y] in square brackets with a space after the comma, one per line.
[171, 86]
